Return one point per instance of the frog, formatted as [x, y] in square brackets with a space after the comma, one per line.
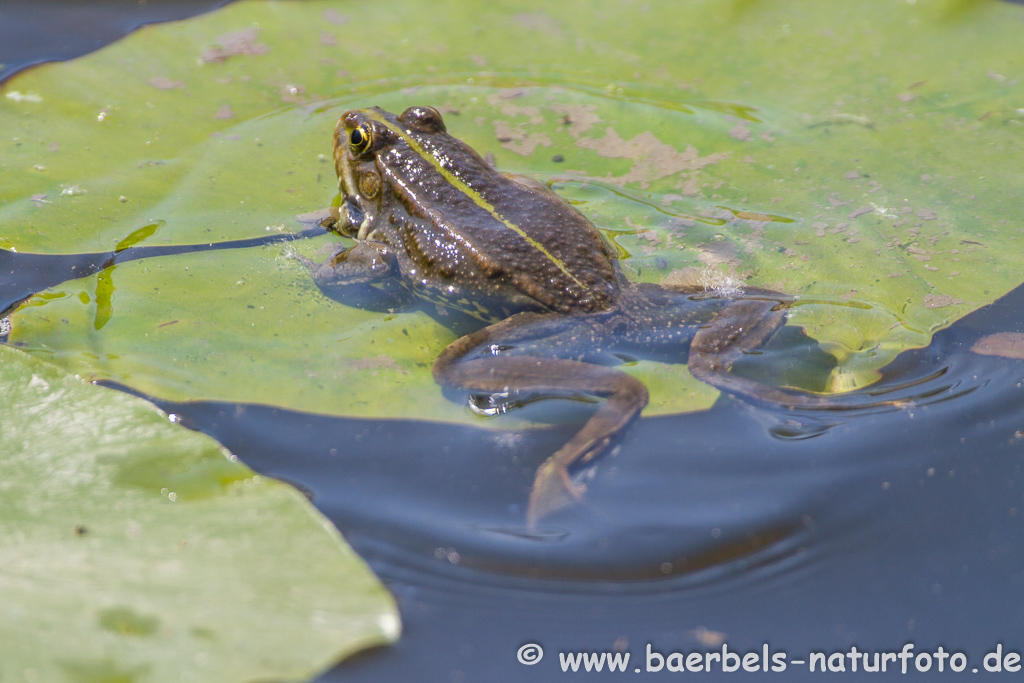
[554, 313]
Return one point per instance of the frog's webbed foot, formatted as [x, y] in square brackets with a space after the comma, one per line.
[626, 396]
[743, 327]
[553, 488]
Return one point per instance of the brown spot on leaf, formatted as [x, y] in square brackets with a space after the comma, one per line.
[718, 253]
[1003, 344]
[164, 83]
[859, 212]
[940, 300]
[579, 117]
[235, 43]
[740, 132]
[335, 17]
[225, 112]
[690, 187]
[328, 39]
[516, 139]
[652, 158]
[926, 214]
[503, 99]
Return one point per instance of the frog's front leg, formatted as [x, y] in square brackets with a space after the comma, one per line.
[364, 263]
[626, 396]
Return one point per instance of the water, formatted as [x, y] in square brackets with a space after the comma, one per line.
[34, 31]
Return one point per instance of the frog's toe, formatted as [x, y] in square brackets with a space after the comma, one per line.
[552, 490]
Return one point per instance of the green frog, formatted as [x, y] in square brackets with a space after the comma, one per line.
[555, 313]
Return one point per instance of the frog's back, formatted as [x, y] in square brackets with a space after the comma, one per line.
[504, 230]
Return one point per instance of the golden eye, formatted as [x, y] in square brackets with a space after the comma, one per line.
[359, 139]
[369, 185]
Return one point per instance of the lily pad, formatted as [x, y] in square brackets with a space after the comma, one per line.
[132, 549]
[865, 157]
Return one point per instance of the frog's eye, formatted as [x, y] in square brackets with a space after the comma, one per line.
[359, 139]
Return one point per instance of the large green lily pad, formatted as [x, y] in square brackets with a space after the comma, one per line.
[865, 156]
[134, 550]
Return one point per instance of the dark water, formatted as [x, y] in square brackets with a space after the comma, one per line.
[808, 532]
[35, 31]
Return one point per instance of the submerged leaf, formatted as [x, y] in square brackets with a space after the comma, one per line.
[1004, 344]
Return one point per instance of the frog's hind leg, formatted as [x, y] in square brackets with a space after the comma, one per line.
[743, 327]
[626, 397]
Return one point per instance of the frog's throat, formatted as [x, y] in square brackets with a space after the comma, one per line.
[364, 228]
[346, 182]
[475, 196]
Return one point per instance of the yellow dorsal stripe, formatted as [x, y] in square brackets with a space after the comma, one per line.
[465, 189]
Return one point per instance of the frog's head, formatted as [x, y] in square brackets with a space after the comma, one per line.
[362, 140]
